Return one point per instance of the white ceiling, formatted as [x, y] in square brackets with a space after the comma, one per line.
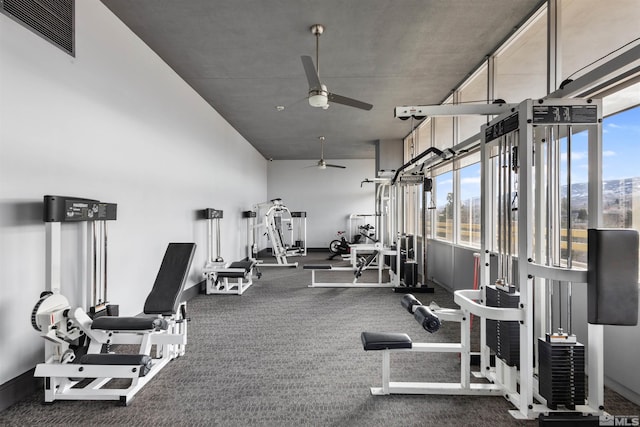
[243, 57]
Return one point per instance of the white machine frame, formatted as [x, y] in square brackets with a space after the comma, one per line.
[519, 385]
[377, 263]
[62, 324]
[219, 274]
[272, 209]
[67, 381]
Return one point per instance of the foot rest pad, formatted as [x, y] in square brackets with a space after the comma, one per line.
[244, 265]
[114, 323]
[142, 360]
[384, 340]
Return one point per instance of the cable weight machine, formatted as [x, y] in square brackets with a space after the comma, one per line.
[539, 366]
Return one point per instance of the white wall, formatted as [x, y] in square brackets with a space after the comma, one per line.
[115, 123]
[328, 196]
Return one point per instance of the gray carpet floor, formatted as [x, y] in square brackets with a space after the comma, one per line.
[284, 354]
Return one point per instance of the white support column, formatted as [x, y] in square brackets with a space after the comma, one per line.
[486, 242]
[386, 371]
[595, 344]
[53, 257]
[554, 46]
[525, 280]
[465, 352]
[491, 72]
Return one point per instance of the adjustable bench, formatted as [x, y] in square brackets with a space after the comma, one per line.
[429, 319]
[217, 275]
[357, 272]
[163, 325]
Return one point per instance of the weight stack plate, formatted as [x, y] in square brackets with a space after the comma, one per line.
[561, 377]
[503, 337]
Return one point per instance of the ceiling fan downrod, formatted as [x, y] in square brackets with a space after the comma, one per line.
[317, 31]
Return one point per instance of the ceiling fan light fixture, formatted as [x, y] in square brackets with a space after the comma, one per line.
[318, 97]
[318, 100]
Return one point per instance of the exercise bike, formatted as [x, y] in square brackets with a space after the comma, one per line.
[342, 247]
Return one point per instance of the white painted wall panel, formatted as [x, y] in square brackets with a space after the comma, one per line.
[114, 123]
[328, 196]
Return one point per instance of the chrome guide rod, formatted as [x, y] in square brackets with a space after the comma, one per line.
[569, 229]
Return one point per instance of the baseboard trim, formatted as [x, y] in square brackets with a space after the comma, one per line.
[622, 390]
[192, 292]
[18, 388]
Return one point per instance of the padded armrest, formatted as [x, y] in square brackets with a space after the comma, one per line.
[113, 323]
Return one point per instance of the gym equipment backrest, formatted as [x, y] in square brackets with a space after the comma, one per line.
[164, 298]
[612, 294]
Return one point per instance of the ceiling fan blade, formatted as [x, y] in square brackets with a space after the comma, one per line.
[335, 166]
[310, 71]
[339, 99]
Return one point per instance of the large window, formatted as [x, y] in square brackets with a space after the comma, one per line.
[588, 31]
[444, 206]
[620, 174]
[469, 206]
[573, 207]
[591, 29]
[474, 91]
[521, 65]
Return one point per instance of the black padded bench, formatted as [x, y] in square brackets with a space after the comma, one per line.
[246, 266]
[164, 298]
[219, 274]
[385, 341]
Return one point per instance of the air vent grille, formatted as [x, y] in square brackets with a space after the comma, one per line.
[51, 19]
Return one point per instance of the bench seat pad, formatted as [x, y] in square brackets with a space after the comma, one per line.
[245, 265]
[384, 340]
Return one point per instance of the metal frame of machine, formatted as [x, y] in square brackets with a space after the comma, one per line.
[220, 275]
[519, 156]
[274, 213]
[78, 364]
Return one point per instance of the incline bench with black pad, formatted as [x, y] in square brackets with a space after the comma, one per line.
[163, 300]
[163, 327]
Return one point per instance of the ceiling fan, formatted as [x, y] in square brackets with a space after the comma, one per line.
[322, 164]
[319, 96]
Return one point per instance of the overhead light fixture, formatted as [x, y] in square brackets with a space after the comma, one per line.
[279, 107]
[318, 97]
